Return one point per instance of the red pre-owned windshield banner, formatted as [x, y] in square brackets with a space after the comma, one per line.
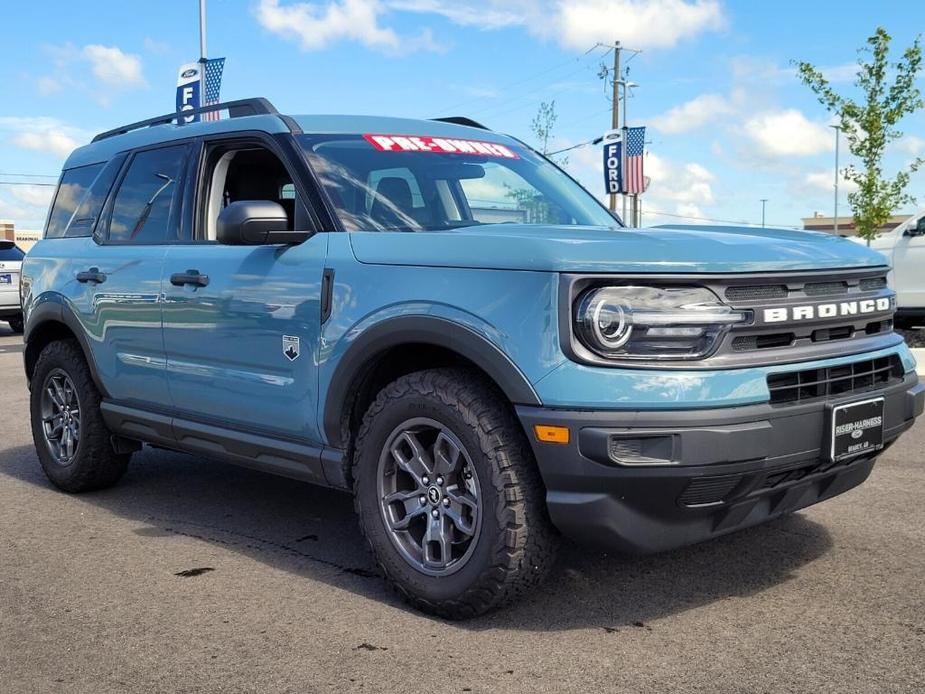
[442, 145]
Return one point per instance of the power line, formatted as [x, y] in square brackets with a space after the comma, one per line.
[27, 183]
[27, 175]
[595, 141]
[524, 80]
[724, 221]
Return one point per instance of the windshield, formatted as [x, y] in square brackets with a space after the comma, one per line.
[404, 183]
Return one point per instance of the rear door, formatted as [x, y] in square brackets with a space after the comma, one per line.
[118, 273]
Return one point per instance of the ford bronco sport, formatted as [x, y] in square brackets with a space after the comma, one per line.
[434, 317]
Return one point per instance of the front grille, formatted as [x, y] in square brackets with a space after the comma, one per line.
[749, 343]
[825, 288]
[871, 284]
[756, 292]
[812, 384]
[805, 337]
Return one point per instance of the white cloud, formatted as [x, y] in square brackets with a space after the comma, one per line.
[580, 24]
[37, 196]
[692, 114]
[113, 70]
[48, 85]
[493, 14]
[788, 133]
[673, 182]
[825, 181]
[910, 144]
[42, 134]
[54, 142]
[574, 24]
[113, 67]
[316, 25]
[840, 73]
[155, 46]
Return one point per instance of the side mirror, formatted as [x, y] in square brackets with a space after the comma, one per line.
[919, 229]
[256, 223]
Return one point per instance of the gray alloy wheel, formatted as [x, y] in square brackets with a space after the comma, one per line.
[60, 411]
[429, 496]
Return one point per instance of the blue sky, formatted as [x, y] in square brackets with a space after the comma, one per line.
[729, 123]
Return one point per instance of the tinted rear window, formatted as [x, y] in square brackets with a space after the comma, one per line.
[12, 253]
[71, 192]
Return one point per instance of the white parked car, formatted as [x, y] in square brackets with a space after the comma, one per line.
[10, 266]
[904, 247]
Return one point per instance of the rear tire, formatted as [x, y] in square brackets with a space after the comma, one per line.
[471, 532]
[71, 439]
[16, 325]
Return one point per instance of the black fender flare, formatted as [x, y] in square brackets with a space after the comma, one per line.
[418, 329]
[54, 308]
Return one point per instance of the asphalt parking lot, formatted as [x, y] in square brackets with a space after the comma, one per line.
[93, 596]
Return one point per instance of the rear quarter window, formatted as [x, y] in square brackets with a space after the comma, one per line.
[71, 192]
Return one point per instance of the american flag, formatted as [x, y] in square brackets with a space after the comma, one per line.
[633, 180]
[212, 85]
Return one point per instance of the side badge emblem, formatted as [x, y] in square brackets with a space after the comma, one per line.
[291, 347]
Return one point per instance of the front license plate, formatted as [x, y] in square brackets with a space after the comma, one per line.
[6, 279]
[857, 428]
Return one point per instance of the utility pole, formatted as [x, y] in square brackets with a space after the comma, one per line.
[835, 215]
[615, 117]
[202, 31]
[763, 203]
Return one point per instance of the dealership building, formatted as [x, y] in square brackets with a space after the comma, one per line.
[819, 222]
[24, 238]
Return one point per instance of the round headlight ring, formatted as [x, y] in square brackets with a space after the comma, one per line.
[612, 334]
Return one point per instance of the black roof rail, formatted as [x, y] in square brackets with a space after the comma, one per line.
[236, 109]
[462, 120]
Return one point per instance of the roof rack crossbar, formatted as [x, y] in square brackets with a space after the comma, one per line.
[236, 109]
[462, 120]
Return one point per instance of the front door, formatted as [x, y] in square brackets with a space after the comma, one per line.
[242, 323]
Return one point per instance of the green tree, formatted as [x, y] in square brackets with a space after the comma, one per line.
[889, 93]
[542, 126]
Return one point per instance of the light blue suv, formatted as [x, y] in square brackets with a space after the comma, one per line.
[434, 317]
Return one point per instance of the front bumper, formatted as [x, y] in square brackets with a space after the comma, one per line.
[724, 469]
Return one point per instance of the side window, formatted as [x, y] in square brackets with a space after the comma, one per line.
[146, 207]
[237, 172]
[71, 191]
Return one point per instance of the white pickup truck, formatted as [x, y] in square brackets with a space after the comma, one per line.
[904, 247]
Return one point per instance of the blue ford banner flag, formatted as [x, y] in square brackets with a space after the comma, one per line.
[613, 162]
[189, 90]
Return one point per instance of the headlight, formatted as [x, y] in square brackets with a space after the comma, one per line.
[653, 322]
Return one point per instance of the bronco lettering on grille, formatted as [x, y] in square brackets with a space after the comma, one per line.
[831, 310]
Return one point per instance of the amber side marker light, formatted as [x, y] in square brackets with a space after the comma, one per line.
[549, 434]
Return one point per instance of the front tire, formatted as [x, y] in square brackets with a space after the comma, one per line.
[449, 496]
[71, 439]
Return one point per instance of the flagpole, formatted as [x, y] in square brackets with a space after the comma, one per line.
[202, 31]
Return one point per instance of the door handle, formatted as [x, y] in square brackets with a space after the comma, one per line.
[93, 276]
[191, 277]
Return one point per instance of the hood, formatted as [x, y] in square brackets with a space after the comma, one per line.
[669, 249]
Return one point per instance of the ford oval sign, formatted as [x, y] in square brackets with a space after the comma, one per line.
[188, 73]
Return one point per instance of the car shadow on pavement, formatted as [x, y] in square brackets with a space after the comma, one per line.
[312, 532]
